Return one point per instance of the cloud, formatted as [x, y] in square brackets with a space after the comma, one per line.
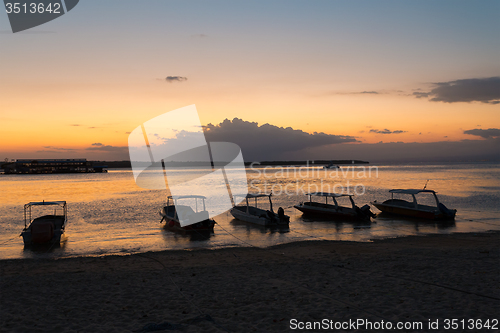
[421, 94]
[176, 78]
[268, 142]
[484, 133]
[486, 90]
[97, 146]
[364, 92]
[80, 125]
[56, 150]
[386, 131]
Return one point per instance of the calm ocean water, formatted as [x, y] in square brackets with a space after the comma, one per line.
[110, 214]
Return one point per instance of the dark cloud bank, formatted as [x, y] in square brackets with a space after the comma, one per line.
[484, 133]
[268, 142]
[272, 143]
[443, 151]
[486, 90]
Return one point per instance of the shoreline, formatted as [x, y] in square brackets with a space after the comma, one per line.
[244, 289]
[249, 246]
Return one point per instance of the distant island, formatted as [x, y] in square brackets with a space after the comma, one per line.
[127, 164]
[43, 166]
[310, 163]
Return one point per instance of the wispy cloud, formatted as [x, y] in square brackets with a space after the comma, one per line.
[176, 78]
[52, 149]
[364, 92]
[58, 148]
[484, 133]
[486, 90]
[419, 94]
[387, 131]
[97, 146]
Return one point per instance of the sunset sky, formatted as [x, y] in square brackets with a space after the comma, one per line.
[376, 77]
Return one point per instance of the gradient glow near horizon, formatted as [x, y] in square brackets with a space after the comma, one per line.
[76, 86]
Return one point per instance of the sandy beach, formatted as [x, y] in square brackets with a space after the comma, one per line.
[410, 279]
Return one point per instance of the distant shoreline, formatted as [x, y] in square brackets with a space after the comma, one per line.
[312, 163]
[127, 164]
[402, 241]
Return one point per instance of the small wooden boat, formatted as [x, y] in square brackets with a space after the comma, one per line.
[46, 229]
[331, 166]
[253, 214]
[184, 218]
[413, 208]
[334, 210]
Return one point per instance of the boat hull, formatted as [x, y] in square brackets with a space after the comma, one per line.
[28, 238]
[415, 213]
[200, 221]
[258, 216]
[242, 216]
[44, 230]
[325, 212]
[203, 226]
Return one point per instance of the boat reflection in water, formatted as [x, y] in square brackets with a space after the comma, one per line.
[418, 224]
[252, 227]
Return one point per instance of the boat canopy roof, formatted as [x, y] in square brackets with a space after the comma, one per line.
[328, 194]
[250, 195]
[187, 197]
[411, 191]
[43, 203]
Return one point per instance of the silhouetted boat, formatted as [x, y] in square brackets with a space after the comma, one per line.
[331, 166]
[173, 213]
[413, 208]
[46, 229]
[334, 210]
[253, 214]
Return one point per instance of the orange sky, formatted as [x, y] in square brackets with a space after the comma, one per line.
[74, 84]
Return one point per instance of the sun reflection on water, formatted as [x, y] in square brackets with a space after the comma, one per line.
[109, 214]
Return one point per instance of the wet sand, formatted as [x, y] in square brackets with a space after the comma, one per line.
[410, 279]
